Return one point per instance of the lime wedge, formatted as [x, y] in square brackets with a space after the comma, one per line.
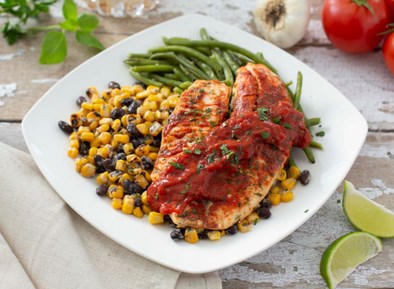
[345, 254]
[367, 215]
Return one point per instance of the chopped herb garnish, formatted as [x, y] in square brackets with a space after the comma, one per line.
[225, 151]
[199, 168]
[320, 133]
[236, 126]
[178, 166]
[262, 112]
[306, 211]
[201, 90]
[208, 110]
[248, 132]
[211, 157]
[255, 221]
[186, 189]
[276, 120]
[213, 123]
[224, 124]
[156, 196]
[187, 151]
[197, 152]
[287, 125]
[265, 134]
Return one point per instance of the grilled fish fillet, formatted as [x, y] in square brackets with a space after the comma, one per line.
[213, 176]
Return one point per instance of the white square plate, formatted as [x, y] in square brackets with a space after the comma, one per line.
[345, 132]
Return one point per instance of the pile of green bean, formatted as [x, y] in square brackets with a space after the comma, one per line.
[181, 61]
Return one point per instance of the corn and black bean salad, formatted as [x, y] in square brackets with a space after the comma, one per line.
[115, 137]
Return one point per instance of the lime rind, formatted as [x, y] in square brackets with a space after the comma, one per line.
[345, 254]
[367, 215]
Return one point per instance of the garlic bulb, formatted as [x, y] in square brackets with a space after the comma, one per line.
[282, 22]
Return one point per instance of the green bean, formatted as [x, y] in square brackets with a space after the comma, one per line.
[138, 55]
[228, 74]
[154, 68]
[288, 83]
[182, 60]
[297, 94]
[181, 75]
[315, 144]
[221, 45]
[143, 79]
[178, 90]
[189, 51]
[206, 68]
[142, 61]
[185, 85]
[230, 61]
[172, 76]
[165, 80]
[309, 154]
[204, 50]
[187, 72]
[312, 121]
[291, 160]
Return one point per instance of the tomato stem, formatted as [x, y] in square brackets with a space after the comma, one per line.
[364, 3]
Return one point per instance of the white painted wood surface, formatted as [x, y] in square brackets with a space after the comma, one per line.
[363, 79]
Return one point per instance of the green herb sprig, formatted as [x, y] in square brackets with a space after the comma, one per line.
[54, 45]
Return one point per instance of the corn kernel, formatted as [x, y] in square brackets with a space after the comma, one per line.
[73, 135]
[191, 235]
[121, 165]
[88, 170]
[244, 226]
[289, 183]
[103, 128]
[173, 100]
[142, 94]
[115, 191]
[96, 143]
[294, 172]
[152, 156]
[124, 177]
[142, 128]
[144, 198]
[102, 178]
[103, 152]
[165, 91]
[165, 105]
[115, 175]
[146, 209]
[142, 150]
[156, 218]
[141, 110]
[141, 181]
[72, 152]
[116, 204]
[149, 116]
[282, 175]
[274, 199]
[155, 129]
[87, 136]
[93, 151]
[138, 212]
[116, 125]
[93, 116]
[128, 148]
[286, 196]
[83, 129]
[214, 235]
[253, 218]
[93, 125]
[128, 205]
[87, 105]
[74, 143]
[79, 162]
[122, 138]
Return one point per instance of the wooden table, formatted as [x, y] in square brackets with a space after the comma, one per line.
[294, 262]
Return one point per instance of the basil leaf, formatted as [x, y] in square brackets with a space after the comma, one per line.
[86, 38]
[54, 48]
[88, 22]
[70, 10]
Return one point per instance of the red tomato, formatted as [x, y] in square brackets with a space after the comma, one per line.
[390, 8]
[352, 27]
[388, 52]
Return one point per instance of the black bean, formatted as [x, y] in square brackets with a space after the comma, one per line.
[98, 160]
[81, 100]
[131, 188]
[126, 101]
[137, 141]
[147, 163]
[101, 190]
[119, 156]
[265, 203]
[203, 235]
[65, 127]
[109, 165]
[84, 148]
[90, 92]
[263, 212]
[120, 149]
[133, 131]
[137, 202]
[176, 235]
[133, 107]
[117, 112]
[305, 177]
[113, 85]
[232, 230]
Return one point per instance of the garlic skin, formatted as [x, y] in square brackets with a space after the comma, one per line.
[282, 22]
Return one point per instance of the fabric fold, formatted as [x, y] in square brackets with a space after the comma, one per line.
[56, 248]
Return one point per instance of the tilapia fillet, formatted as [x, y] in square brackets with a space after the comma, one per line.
[211, 171]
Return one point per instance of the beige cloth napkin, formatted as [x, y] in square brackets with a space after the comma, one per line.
[45, 245]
